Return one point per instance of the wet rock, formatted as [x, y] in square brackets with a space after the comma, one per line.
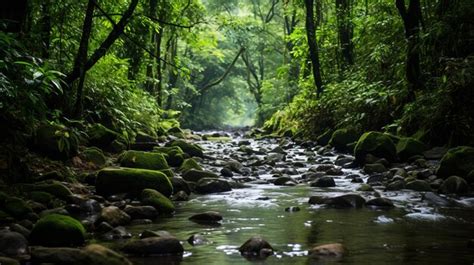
[395, 185]
[212, 185]
[141, 212]
[154, 246]
[454, 185]
[324, 182]
[256, 247]
[197, 239]
[154, 198]
[12, 244]
[418, 185]
[345, 201]
[374, 168]
[380, 202]
[196, 175]
[335, 250]
[131, 180]
[114, 216]
[209, 217]
[457, 161]
[57, 230]
[292, 209]
[377, 144]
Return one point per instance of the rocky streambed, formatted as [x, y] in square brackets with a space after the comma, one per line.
[298, 203]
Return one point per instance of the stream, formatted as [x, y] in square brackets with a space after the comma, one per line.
[413, 232]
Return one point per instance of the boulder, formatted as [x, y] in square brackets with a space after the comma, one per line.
[57, 230]
[335, 250]
[195, 175]
[342, 137]
[154, 198]
[454, 185]
[12, 244]
[174, 155]
[188, 148]
[408, 147]
[154, 246]
[100, 136]
[189, 164]
[256, 246]
[324, 182]
[209, 217]
[212, 185]
[377, 144]
[457, 161]
[114, 216]
[47, 141]
[145, 160]
[131, 180]
[418, 185]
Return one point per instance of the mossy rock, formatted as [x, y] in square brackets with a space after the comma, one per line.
[131, 180]
[55, 188]
[41, 197]
[342, 137]
[57, 230]
[196, 175]
[454, 185]
[156, 199]
[101, 136]
[174, 155]
[408, 147]
[188, 148]
[46, 141]
[458, 161]
[324, 138]
[17, 207]
[94, 155]
[145, 160]
[189, 164]
[377, 144]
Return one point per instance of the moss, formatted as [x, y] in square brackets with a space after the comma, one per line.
[189, 164]
[17, 207]
[94, 155]
[55, 188]
[101, 136]
[174, 155]
[458, 161]
[145, 160]
[156, 199]
[131, 180]
[41, 197]
[342, 137]
[377, 144]
[324, 138]
[188, 148]
[46, 141]
[408, 147]
[57, 230]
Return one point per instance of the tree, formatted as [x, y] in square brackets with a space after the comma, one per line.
[313, 46]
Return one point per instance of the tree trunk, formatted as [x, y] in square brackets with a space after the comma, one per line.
[81, 57]
[412, 19]
[313, 47]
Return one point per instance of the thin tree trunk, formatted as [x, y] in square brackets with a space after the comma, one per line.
[313, 47]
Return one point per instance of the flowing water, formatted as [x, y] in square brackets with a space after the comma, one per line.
[410, 233]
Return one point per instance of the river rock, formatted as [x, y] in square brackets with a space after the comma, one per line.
[195, 175]
[157, 200]
[454, 185]
[131, 180]
[380, 202]
[212, 185]
[12, 244]
[256, 246]
[154, 246]
[209, 217]
[56, 230]
[141, 212]
[114, 216]
[324, 182]
[328, 250]
[418, 185]
[377, 144]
